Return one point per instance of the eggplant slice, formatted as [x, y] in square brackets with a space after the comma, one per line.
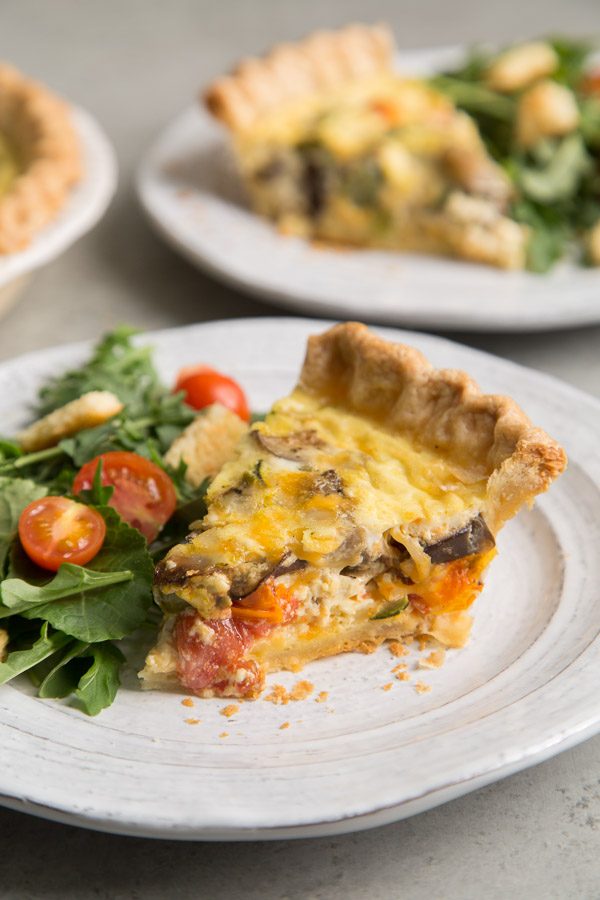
[475, 537]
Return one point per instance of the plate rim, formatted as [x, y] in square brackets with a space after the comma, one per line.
[352, 822]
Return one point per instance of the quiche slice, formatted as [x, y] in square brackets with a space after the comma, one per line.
[364, 508]
[333, 145]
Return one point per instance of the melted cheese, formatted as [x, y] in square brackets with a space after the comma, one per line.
[261, 505]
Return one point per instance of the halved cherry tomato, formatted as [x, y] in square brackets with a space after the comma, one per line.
[144, 495]
[56, 530]
[203, 386]
[591, 83]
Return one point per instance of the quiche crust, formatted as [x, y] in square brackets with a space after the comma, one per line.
[323, 61]
[37, 126]
[444, 410]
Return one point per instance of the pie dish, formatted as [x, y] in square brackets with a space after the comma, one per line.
[363, 509]
[333, 145]
[40, 158]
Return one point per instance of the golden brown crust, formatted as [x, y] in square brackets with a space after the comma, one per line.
[323, 61]
[37, 125]
[487, 436]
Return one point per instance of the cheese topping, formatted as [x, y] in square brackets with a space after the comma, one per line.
[346, 473]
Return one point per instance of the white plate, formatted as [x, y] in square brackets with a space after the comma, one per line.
[525, 687]
[85, 204]
[190, 190]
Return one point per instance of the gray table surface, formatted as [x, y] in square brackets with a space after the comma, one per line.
[134, 65]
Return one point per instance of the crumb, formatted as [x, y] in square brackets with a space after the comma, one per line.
[278, 695]
[284, 725]
[322, 697]
[434, 660]
[401, 667]
[403, 676]
[192, 721]
[407, 641]
[388, 686]
[397, 649]
[224, 734]
[187, 701]
[229, 711]
[421, 688]
[301, 690]
[423, 641]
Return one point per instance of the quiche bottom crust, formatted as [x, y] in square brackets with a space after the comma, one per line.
[451, 630]
[38, 126]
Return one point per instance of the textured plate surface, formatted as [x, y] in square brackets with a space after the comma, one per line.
[524, 688]
[85, 204]
[189, 188]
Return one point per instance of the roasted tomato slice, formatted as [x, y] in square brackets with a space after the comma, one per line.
[203, 386]
[210, 653]
[270, 602]
[144, 495]
[56, 530]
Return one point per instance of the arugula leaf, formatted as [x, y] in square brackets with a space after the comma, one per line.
[573, 59]
[18, 595]
[19, 661]
[392, 610]
[62, 678]
[475, 98]
[98, 687]
[99, 494]
[116, 365]
[559, 179]
[15, 495]
[115, 610]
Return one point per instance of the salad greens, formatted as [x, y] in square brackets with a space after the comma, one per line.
[557, 180]
[60, 627]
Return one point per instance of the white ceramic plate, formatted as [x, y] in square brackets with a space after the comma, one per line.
[190, 190]
[84, 207]
[525, 688]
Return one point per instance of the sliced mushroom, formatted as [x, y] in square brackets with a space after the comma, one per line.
[295, 447]
[328, 482]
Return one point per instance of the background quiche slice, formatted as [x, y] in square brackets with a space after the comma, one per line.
[364, 508]
[332, 144]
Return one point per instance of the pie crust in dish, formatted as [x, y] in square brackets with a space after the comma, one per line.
[364, 508]
[334, 145]
[40, 158]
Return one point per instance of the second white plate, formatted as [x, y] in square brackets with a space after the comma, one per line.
[523, 689]
[190, 190]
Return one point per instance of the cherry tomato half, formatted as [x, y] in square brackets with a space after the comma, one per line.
[56, 530]
[144, 495]
[203, 386]
[591, 83]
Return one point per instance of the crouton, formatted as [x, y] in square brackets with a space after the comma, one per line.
[520, 66]
[546, 110]
[89, 410]
[207, 443]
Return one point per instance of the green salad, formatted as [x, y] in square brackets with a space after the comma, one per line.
[537, 106]
[82, 523]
